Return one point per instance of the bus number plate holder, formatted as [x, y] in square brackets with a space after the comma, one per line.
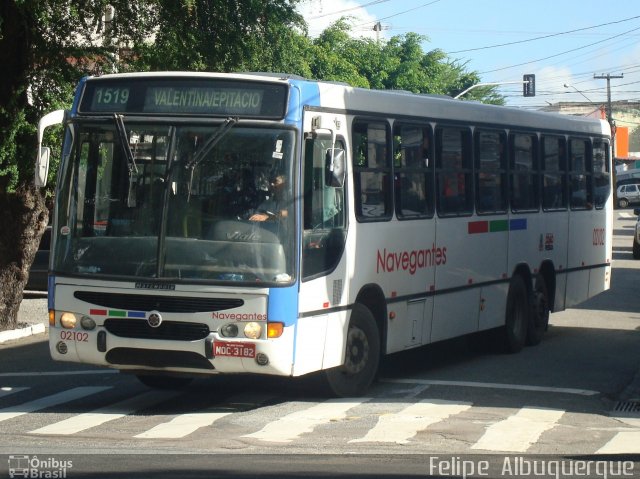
[234, 350]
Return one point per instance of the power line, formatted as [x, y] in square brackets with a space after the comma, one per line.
[542, 37]
[337, 12]
[400, 13]
[558, 54]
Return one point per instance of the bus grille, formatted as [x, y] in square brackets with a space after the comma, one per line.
[171, 330]
[157, 359]
[149, 302]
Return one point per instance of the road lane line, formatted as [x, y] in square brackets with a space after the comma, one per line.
[6, 390]
[471, 384]
[105, 414]
[518, 432]
[58, 373]
[291, 426]
[182, 425]
[401, 426]
[49, 401]
[626, 442]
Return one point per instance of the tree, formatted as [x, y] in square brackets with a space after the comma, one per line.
[45, 47]
[225, 36]
[399, 63]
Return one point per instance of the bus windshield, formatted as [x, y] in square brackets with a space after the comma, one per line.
[176, 202]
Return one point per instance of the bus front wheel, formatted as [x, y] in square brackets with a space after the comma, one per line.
[361, 358]
[517, 316]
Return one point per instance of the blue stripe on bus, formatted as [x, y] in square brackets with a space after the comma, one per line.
[519, 224]
[136, 314]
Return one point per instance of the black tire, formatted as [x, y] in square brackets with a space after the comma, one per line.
[514, 332]
[636, 249]
[540, 310]
[361, 359]
[623, 203]
[164, 382]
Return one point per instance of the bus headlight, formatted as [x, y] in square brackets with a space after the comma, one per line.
[229, 330]
[87, 323]
[68, 320]
[253, 330]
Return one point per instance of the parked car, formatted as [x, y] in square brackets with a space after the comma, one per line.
[40, 268]
[628, 194]
[636, 236]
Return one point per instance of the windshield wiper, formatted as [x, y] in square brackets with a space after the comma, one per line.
[205, 149]
[128, 154]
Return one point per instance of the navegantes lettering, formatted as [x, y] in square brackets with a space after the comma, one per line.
[411, 261]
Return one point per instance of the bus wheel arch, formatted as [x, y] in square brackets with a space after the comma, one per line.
[362, 356]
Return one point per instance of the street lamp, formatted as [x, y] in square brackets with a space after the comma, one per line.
[566, 85]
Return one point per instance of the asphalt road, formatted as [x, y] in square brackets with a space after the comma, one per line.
[436, 411]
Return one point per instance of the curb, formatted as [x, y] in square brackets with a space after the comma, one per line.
[22, 333]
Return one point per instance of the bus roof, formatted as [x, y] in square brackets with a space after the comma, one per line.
[340, 96]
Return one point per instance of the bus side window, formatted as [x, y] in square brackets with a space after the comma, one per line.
[323, 212]
[580, 174]
[413, 180]
[600, 166]
[454, 171]
[491, 171]
[525, 180]
[554, 167]
[372, 171]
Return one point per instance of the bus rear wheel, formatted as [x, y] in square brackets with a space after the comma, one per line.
[164, 382]
[517, 316]
[361, 358]
[540, 311]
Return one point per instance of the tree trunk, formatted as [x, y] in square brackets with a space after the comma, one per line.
[25, 218]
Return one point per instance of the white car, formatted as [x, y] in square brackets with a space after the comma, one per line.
[628, 194]
[636, 236]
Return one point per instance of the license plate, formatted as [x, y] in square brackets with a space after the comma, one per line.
[235, 350]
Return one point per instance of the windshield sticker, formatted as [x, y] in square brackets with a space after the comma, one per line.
[65, 230]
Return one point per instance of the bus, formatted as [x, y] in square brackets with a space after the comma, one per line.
[267, 224]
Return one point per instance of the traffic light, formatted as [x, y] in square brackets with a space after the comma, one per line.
[529, 85]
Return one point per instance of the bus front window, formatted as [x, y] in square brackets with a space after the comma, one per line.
[182, 209]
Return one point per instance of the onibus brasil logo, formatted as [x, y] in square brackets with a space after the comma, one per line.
[32, 466]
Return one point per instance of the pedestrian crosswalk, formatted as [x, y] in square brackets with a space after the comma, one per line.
[356, 423]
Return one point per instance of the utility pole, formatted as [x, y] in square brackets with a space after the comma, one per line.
[608, 77]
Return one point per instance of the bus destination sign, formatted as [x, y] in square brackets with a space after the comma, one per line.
[185, 97]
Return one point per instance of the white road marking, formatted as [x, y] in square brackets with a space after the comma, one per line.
[471, 384]
[291, 426]
[627, 442]
[58, 373]
[518, 432]
[401, 426]
[183, 425]
[48, 401]
[5, 391]
[105, 414]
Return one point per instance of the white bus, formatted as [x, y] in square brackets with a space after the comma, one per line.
[243, 223]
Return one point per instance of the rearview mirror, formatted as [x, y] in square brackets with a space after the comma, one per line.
[42, 166]
[334, 171]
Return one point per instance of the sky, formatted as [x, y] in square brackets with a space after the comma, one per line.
[501, 40]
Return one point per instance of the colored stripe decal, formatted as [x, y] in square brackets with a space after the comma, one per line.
[520, 224]
[117, 314]
[499, 225]
[478, 227]
[495, 226]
